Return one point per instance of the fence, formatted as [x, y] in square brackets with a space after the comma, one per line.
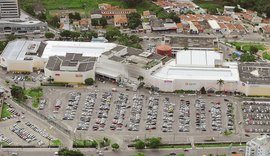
[58, 126]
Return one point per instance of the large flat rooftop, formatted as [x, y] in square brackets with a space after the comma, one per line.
[254, 73]
[18, 49]
[192, 41]
[60, 48]
[171, 71]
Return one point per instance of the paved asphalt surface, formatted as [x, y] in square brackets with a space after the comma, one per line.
[92, 152]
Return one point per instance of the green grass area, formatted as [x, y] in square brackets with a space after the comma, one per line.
[35, 93]
[220, 145]
[246, 46]
[210, 5]
[176, 146]
[56, 142]
[54, 6]
[266, 56]
[85, 143]
[5, 111]
[35, 102]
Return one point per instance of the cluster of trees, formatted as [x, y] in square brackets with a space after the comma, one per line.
[99, 22]
[130, 41]
[17, 93]
[75, 16]
[133, 3]
[153, 142]
[248, 56]
[134, 20]
[67, 152]
[76, 35]
[114, 34]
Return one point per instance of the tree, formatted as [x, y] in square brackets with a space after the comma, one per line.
[153, 142]
[203, 91]
[67, 152]
[11, 37]
[89, 81]
[139, 144]
[220, 83]
[74, 35]
[112, 33]
[103, 22]
[42, 17]
[174, 17]
[65, 33]
[237, 9]
[17, 92]
[238, 48]
[49, 35]
[50, 79]
[134, 20]
[246, 57]
[115, 146]
[71, 16]
[253, 49]
[94, 22]
[140, 78]
[139, 154]
[77, 16]
[54, 21]
[29, 9]
[132, 3]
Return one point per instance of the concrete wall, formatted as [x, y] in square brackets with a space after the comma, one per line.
[170, 85]
[19, 65]
[69, 77]
[254, 89]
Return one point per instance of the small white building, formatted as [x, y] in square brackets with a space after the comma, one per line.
[214, 25]
[259, 146]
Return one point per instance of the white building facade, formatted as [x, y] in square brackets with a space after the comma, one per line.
[259, 146]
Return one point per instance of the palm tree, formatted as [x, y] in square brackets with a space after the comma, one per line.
[220, 82]
[50, 79]
[140, 78]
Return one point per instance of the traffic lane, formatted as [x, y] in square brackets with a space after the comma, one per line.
[149, 152]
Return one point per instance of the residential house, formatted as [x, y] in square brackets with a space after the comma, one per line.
[96, 14]
[84, 24]
[148, 14]
[180, 28]
[266, 30]
[105, 6]
[214, 25]
[228, 10]
[162, 25]
[120, 20]
[64, 23]
[109, 13]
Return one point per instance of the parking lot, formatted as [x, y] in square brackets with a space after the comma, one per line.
[127, 112]
[256, 116]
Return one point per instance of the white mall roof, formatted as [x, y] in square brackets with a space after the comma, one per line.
[86, 48]
[17, 49]
[197, 58]
[213, 24]
[172, 72]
